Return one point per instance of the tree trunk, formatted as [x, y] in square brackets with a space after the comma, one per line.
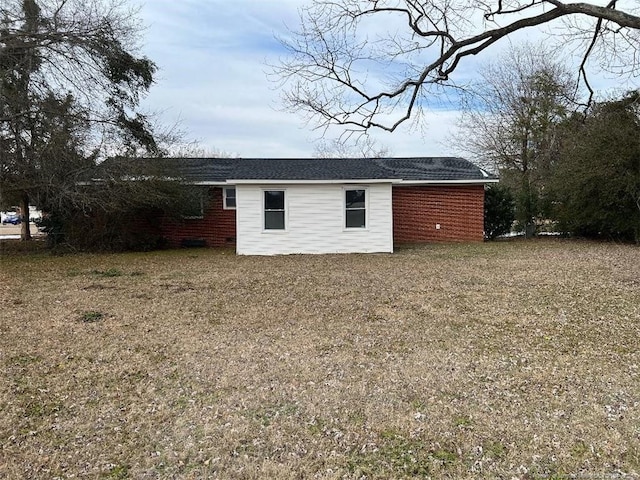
[25, 233]
[527, 204]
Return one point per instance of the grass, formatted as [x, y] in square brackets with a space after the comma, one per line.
[498, 360]
[91, 316]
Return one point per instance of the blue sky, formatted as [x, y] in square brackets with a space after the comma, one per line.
[213, 61]
[213, 58]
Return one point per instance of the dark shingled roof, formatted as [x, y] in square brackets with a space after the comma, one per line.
[431, 168]
[202, 169]
[419, 169]
[308, 169]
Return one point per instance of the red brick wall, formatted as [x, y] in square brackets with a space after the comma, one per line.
[217, 228]
[458, 209]
[416, 210]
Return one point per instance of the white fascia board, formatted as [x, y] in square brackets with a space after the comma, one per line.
[449, 182]
[206, 183]
[345, 181]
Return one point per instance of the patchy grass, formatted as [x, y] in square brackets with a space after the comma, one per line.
[37, 245]
[108, 273]
[499, 360]
[91, 316]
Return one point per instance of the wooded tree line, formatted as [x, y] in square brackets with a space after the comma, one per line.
[567, 168]
[587, 184]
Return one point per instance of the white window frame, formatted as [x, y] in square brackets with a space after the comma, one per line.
[264, 210]
[224, 198]
[344, 208]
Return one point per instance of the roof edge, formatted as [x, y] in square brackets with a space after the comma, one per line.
[341, 181]
[479, 181]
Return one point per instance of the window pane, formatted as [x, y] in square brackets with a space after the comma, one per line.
[356, 218]
[274, 200]
[192, 203]
[274, 220]
[230, 197]
[355, 198]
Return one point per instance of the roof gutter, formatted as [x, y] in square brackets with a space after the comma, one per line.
[449, 182]
[394, 181]
[350, 181]
[207, 183]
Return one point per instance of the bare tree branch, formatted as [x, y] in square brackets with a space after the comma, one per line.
[342, 69]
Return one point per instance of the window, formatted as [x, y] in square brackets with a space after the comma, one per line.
[193, 203]
[229, 196]
[355, 209]
[274, 209]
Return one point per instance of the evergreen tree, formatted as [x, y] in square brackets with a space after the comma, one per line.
[499, 211]
[67, 74]
[596, 181]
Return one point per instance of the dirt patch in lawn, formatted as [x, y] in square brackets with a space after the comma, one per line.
[503, 360]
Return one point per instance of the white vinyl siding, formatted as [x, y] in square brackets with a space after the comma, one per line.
[314, 219]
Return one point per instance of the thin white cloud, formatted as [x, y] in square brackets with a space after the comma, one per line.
[212, 60]
[212, 57]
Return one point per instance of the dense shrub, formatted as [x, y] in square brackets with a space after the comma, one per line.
[131, 231]
[499, 211]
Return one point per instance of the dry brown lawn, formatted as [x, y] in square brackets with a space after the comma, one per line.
[514, 360]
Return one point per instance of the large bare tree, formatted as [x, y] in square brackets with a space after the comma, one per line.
[67, 67]
[376, 63]
[509, 122]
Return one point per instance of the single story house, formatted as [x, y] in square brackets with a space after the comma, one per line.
[291, 206]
